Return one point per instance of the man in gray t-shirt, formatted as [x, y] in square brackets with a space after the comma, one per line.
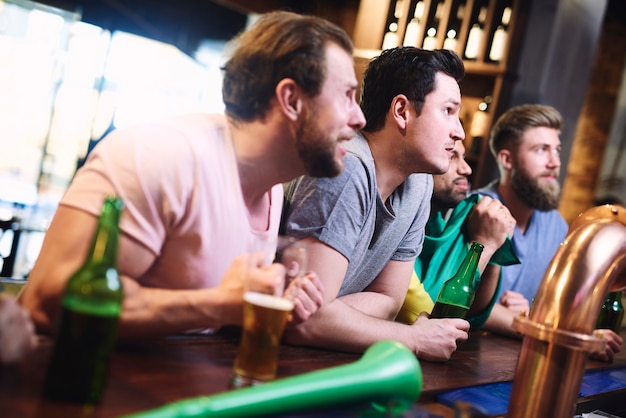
[356, 222]
[365, 227]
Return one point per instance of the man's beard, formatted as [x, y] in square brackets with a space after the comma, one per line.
[316, 150]
[447, 198]
[539, 195]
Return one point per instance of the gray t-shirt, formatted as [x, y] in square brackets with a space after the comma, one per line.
[347, 213]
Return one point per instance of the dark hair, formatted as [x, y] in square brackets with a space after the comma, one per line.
[507, 132]
[404, 70]
[279, 45]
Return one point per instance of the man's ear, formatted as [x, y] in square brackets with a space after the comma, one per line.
[289, 98]
[505, 158]
[399, 110]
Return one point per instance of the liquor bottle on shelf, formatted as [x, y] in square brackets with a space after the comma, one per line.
[430, 41]
[611, 312]
[498, 43]
[476, 33]
[413, 29]
[432, 26]
[391, 38]
[454, 25]
[457, 294]
[450, 41]
[87, 328]
[479, 127]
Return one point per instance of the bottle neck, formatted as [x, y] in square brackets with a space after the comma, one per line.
[105, 241]
[614, 296]
[470, 262]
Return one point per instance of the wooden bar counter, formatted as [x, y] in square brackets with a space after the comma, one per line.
[153, 373]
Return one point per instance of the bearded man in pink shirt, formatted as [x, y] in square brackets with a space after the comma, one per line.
[202, 191]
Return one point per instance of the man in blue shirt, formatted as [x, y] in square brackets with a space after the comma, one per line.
[525, 143]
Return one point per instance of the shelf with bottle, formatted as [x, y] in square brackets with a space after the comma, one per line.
[433, 35]
[479, 99]
[392, 26]
[498, 39]
[482, 32]
[414, 33]
[478, 30]
[473, 142]
[478, 130]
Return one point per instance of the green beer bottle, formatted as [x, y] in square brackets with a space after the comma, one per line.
[87, 325]
[611, 312]
[457, 294]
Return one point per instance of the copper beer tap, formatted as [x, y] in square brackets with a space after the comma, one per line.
[559, 331]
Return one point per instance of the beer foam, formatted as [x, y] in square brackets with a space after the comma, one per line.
[268, 301]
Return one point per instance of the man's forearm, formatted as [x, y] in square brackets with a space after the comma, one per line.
[339, 326]
[151, 312]
[500, 321]
[490, 275]
[373, 304]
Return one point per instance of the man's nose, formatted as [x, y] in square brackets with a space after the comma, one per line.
[555, 158]
[357, 121]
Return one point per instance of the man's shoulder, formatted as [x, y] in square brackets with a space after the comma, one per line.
[355, 179]
[194, 130]
[421, 178]
[420, 183]
[353, 168]
[490, 190]
[358, 144]
[553, 217]
[549, 226]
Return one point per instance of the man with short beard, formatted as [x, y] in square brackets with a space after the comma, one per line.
[202, 192]
[365, 227]
[456, 221]
[525, 143]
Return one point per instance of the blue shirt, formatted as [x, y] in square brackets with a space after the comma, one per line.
[535, 248]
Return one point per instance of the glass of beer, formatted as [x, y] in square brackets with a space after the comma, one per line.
[264, 319]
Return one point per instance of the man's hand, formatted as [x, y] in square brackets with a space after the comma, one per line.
[437, 339]
[17, 332]
[514, 301]
[307, 294]
[489, 223]
[247, 273]
[612, 347]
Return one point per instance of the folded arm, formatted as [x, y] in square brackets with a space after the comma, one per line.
[146, 311]
[354, 322]
[500, 321]
[383, 298]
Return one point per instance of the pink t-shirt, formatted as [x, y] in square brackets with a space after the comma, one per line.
[183, 202]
